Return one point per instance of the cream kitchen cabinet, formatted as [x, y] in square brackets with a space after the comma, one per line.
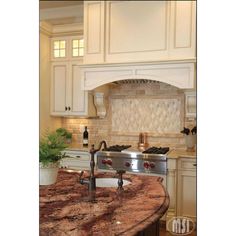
[76, 160]
[131, 31]
[171, 185]
[67, 97]
[94, 30]
[67, 48]
[182, 44]
[186, 190]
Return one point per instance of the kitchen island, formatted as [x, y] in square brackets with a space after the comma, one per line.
[63, 210]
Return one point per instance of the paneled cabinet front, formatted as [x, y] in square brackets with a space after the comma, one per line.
[131, 31]
[182, 43]
[186, 193]
[76, 160]
[94, 30]
[136, 30]
[67, 97]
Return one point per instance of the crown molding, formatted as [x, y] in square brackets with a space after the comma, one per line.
[45, 28]
[61, 12]
[67, 29]
[61, 30]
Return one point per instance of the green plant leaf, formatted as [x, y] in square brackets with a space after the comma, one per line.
[50, 147]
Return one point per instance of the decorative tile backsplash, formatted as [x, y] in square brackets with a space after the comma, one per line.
[146, 115]
[155, 108]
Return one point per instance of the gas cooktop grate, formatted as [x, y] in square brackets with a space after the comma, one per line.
[155, 150]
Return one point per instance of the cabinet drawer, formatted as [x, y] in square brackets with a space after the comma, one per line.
[74, 164]
[82, 156]
[187, 164]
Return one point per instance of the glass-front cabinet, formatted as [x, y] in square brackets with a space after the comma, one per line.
[67, 48]
[67, 96]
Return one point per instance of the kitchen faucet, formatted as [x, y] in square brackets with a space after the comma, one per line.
[91, 182]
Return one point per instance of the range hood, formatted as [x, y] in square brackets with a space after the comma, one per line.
[180, 75]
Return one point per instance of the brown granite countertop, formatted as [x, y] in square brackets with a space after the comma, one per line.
[64, 212]
[177, 153]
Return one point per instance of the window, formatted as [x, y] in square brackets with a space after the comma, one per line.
[77, 47]
[59, 48]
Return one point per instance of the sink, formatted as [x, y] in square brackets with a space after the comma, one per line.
[109, 182]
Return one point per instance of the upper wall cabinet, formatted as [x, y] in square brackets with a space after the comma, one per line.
[94, 12]
[182, 30]
[67, 96]
[136, 30]
[67, 48]
[131, 31]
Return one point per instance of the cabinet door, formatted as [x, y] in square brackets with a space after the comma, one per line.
[183, 30]
[59, 80]
[60, 49]
[136, 30]
[78, 98]
[76, 48]
[186, 205]
[94, 31]
[76, 160]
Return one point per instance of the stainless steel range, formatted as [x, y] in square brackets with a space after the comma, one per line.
[151, 161]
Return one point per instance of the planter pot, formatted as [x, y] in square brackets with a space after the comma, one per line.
[48, 173]
[190, 141]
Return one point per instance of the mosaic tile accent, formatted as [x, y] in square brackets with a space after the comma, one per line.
[146, 115]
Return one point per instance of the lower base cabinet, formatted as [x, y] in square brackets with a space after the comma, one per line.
[186, 191]
[171, 185]
[181, 186]
[76, 160]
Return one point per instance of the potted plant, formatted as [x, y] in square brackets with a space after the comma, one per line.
[61, 131]
[67, 135]
[190, 137]
[50, 152]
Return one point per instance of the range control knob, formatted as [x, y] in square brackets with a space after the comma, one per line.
[109, 162]
[104, 161]
[146, 165]
[152, 165]
[127, 164]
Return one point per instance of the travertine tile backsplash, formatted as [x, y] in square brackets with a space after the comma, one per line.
[146, 115]
[155, 108]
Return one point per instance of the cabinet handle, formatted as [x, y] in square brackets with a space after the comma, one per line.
[69, 108]
[77, 156]
[195, 164]
[66, 108]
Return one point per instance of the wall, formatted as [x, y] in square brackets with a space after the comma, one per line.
[156, 108]
[46, 121]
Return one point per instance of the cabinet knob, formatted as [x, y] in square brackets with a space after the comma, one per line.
[66, 108]
[127, 164]
[195, 164]
[69, 108]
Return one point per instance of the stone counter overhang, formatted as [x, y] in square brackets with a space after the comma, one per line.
[63, 212]
[179, 153]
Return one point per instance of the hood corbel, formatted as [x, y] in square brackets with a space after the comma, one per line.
[99, 104]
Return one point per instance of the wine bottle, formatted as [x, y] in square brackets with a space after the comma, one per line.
[85, 137]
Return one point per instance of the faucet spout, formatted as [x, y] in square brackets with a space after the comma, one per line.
[91, 182]
[103, 142]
